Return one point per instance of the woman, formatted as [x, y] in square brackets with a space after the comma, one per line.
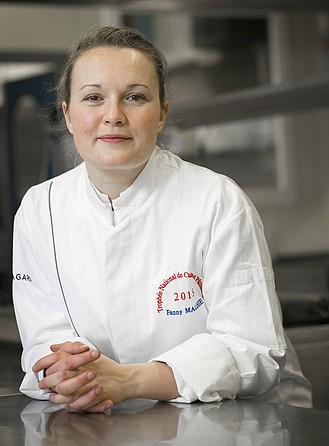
[145, 276]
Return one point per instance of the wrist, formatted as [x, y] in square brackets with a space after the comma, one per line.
[154, 380]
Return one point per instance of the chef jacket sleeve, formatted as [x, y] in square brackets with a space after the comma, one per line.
[40, 313]
[243, 352]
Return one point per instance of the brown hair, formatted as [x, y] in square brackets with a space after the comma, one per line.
[123, 37]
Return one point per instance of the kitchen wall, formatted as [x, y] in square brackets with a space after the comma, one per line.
[301, 225]
[298, 222]
[48, 28]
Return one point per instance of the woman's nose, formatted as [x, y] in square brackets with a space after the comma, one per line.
[114, 114]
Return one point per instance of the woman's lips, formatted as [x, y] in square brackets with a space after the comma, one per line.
[114, 138]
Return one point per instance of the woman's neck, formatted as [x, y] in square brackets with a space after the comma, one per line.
[112, 182]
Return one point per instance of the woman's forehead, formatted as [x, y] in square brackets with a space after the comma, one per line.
[114, 58]
[102, 64]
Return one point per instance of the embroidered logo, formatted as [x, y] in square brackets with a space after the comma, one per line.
[180, 293]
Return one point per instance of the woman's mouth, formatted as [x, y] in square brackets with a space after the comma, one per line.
[114, 138]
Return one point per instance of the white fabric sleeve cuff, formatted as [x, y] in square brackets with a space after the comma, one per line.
[204, 370]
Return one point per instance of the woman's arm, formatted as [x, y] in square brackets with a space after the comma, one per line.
[243, 352]
[40, 313]
[86, 380]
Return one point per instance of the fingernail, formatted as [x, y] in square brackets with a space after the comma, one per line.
[98, 390]
[95, 354]
[91, 375]
[84, 347]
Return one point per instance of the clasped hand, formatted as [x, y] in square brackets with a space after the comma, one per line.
[82, 378]
[86, 380]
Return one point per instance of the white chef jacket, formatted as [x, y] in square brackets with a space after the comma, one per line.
[176, 269]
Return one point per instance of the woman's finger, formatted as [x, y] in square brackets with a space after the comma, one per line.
[69, 400]
[88, 399]
[77, 384]
[56, 398]
[51, 381]
[101, 407]
[67, 382]
[72, 362]
[47, 361]
[70, 347]
[64, 350]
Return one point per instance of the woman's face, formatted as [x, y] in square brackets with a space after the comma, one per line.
[114, 113]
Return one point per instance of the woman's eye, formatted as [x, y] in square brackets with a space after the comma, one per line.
[135, 97]
[93, 98]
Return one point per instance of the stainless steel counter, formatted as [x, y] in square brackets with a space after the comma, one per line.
[141, 422]
[25, 422]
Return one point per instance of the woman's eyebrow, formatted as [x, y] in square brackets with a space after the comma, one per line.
[99, 86]
[138, 85]
[90, 85]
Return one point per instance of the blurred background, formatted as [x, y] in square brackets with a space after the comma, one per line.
[249, 98]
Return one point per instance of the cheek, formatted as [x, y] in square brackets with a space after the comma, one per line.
[149, 123]
[83, 124]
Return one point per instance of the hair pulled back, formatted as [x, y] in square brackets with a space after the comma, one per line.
[109, 36]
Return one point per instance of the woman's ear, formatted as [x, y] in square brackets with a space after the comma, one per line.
[164, 114]
[66, 113]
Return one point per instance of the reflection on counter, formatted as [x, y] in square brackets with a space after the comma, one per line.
[145, 422]
[303, 288]
[227, 423]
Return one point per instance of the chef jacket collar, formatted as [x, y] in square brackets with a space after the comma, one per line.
[136, 194]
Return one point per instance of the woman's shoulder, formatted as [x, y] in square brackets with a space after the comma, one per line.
[201, 179]
[65, 182]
